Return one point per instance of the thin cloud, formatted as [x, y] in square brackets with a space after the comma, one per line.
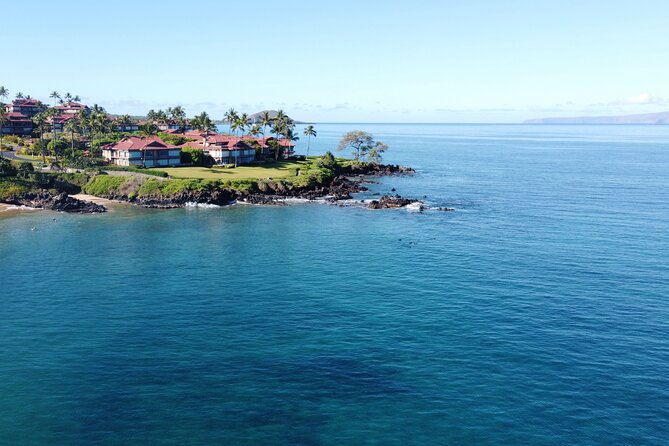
[639, 99]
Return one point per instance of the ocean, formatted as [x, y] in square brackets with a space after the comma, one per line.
[536, 313]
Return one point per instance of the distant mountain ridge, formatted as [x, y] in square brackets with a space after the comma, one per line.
[646, 118]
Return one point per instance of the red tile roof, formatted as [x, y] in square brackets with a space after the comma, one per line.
[26, 102]
[137, 143]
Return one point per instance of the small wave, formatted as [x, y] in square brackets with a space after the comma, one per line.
[20, 208]
[192, 204]
[416, 206]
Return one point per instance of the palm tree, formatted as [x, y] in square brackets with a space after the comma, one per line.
[178, 115]
[255, 130]
[3, 120]
[19, 95]
[68, 97]
[55, 96]
[84, 123]
[240, 124]
[265, 121]
[149, 130]
[203, 123]
[309, 132]
[231, 116]
[72, 126]
[40, 122]
[3, 115]
[51, 114]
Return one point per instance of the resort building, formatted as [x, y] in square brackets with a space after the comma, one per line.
[26, 107]
[72, 108]
[19, 116]
[148, 152]
[230, 149]
[119, 126]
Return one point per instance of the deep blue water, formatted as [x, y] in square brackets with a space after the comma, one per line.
[537, 313]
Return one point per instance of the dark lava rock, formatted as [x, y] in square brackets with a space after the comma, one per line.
[390, 202]
[61, 202]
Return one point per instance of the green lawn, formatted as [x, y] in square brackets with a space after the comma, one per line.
[281, 169]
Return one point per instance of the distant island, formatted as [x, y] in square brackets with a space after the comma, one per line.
[646, 118]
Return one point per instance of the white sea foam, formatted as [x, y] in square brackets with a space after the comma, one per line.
[192, 204]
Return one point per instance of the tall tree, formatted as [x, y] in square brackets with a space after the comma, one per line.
[52, 114]
[3, 120]
[265, 121]
[19, 95]
[178, 116]
[55, 96]
[203, 123]
[363, 145]
[255, 130]
[149, 130]
[72, 126]
[3, 115]
[40, 121]
[309, 132]
[231, 117]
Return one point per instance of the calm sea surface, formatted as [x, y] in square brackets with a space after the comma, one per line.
[537, 313]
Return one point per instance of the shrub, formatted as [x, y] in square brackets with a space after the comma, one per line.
[7, 169]
[25, 168]
[104, 185]
[56, 146]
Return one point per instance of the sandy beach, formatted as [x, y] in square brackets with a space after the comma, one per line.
[94, 199]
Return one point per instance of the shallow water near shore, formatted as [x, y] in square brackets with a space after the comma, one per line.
[535, 313]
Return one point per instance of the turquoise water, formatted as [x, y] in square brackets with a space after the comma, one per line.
[537, 313]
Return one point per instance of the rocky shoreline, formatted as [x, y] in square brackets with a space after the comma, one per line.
[61, 202]
[341, 187]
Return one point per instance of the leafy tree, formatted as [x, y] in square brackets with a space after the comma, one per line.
[57, 147]
[327, 161]
[363, 145]
[25, 168]
[7, 169]
[309, 132]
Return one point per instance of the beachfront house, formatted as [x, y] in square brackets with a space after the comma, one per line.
[148, 152]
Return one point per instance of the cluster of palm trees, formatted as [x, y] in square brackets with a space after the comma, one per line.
[173, 115]
[67, 98]
[95, 122]
[281, 126]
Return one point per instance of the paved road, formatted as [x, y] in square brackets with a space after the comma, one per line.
[11, 156]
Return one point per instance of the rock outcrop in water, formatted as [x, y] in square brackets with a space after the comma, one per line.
[392, 202]
[60, 202]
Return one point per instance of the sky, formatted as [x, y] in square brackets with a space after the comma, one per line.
[345, 61]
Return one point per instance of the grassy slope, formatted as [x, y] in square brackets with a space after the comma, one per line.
[281, 169]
